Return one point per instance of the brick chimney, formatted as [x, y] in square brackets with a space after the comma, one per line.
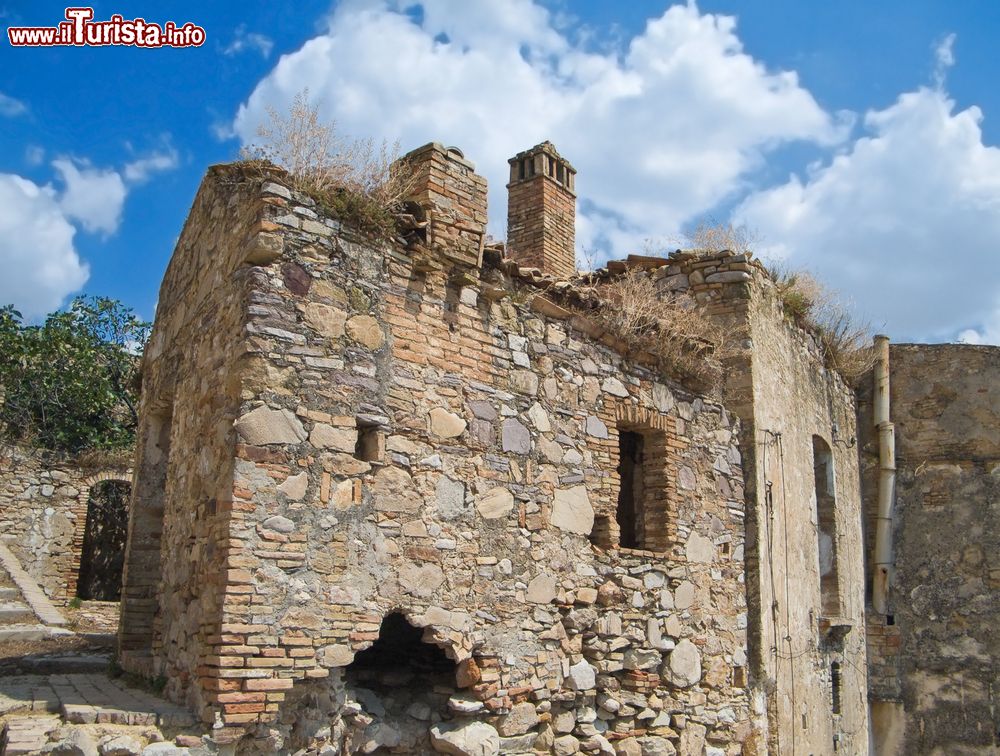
[541, 211]
[453, 198]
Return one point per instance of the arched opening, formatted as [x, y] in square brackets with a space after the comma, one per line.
[103, 553]
[400, 658]
[403, 683]
[826, 528]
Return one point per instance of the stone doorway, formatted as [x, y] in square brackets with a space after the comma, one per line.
[102, 555]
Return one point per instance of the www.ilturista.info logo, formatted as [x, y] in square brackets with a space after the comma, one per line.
[79, 29]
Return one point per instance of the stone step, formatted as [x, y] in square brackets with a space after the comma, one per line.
[89, 699]
[9, 594]
[26, 734]
[15, 613]
[29, 590]
[30, 632]
[65, 664]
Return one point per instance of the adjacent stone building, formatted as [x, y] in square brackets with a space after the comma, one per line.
[59, 522]
[935, 652]
[407, 496]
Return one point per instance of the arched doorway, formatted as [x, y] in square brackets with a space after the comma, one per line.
[102, 555]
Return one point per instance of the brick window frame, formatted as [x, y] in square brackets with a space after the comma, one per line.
[655, 516]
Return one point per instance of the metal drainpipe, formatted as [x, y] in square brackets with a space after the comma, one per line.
[882, 578]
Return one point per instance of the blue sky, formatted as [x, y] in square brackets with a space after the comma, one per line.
[859, 140]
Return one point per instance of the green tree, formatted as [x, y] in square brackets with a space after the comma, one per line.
[71, 383]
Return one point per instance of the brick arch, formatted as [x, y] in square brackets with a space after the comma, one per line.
[79, 510]
[454, 643]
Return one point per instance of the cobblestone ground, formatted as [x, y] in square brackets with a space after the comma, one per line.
[55, 692]
[87, 648]
[43, 713]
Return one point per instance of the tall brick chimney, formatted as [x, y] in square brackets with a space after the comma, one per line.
[541, 211]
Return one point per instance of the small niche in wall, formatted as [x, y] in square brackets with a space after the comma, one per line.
[370, 444]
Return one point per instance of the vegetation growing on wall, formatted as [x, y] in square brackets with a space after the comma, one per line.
[71, 383]
[683, 339]
[846, 344]
[355, 180]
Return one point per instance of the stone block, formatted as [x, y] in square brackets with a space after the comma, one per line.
[572, 511]
[263, 426]
[495, 503]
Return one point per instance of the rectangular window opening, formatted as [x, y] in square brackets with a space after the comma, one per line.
[631, 490]
[369, 445]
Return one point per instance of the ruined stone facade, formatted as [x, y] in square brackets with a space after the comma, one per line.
[407, 497]
[44, 503]
[934, 656]
[336, 432]
[804, 553]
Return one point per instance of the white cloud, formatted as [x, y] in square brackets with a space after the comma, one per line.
[988, 333]
[243, 41]
[141, 169]
[92, 196]
[659, 131]
[222, 130]
[11, 107]
[944, 58]
[34, 154]
[907, 221]
[667, 127]
[40, 265]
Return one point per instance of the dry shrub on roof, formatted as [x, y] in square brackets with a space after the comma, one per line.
[672, 328]
[356, 180]
[709, 237]
[846, 344]
[712, 237]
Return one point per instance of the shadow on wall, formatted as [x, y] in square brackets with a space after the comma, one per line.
[103, 554]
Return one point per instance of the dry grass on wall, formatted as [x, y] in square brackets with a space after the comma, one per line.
[711, 237]
[685, 342]
[359, 181]
[846, 343]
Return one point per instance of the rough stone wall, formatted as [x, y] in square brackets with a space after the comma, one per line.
[176, 578]
[490, 428]
[934, 669]
[796, 400]
[790, 404]
[43, 513]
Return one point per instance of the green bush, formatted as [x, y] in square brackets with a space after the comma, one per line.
[71, 383]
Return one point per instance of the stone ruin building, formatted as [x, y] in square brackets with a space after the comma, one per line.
[406, 497]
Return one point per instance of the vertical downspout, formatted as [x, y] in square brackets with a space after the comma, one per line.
[882, 577]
